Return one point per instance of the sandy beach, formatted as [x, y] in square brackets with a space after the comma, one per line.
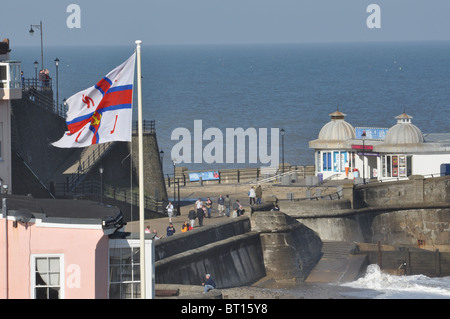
[301, 291]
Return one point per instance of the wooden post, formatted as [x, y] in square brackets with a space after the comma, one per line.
[437, 262]
[379, 261]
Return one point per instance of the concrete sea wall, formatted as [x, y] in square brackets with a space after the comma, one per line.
[398, 213]
[275, 247]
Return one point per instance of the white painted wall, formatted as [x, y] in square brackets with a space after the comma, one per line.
[429, 164]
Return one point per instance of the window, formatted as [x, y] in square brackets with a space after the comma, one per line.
[396, 165]
[318, 162]
[47, 276]
[124, 273]
[327, 163]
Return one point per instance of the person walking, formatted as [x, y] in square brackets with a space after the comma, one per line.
[258, 193]
[221, 205]
[209, 206]
[200, 215]
[209, 284]
[170, 211]
[199, 203]
[192, 215]
[252, 195]
[227, 203]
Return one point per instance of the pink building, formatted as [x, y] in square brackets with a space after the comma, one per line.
[47, 252]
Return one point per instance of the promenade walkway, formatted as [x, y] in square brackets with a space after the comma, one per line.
[190, 194]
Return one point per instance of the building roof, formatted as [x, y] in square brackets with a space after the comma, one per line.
[337, 129]
[404, 132]
[334, 133]
[67, 211]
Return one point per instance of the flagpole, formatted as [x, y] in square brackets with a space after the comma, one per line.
[141, 172]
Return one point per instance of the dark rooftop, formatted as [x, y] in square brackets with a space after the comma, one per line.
[64, 210]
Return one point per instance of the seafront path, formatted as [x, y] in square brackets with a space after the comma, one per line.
[189, 194]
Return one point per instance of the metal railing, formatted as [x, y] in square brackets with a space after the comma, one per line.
[101, 191]
[147, 126]
[86, 165]
[273, 178]
[36, 84]
[42, 95]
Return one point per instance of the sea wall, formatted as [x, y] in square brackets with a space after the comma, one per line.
[391, 225]
[415, 190]
[200, 236]
[398, 213]
[290, 249]
[231, 262]
[276, 247]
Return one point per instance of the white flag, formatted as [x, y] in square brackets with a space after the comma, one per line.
[103, 112]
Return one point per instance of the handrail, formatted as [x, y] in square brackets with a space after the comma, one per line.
[147, 126]
[92, 187]
[32, 172]
[88, 163]
[332, 196]
[269, 179]
[404, 178]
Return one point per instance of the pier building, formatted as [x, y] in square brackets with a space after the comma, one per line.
[342, 151]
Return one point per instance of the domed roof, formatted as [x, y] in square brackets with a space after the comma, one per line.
[404, 132]
[337, 129]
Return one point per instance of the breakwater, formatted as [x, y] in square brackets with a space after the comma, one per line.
[247, 249]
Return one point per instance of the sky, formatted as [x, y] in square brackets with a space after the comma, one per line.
[174, 22]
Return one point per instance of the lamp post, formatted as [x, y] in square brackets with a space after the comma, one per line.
[282, 131]
[174, 165]
[36, 63]
[39, 26]
[100, 169]
[363, 135]
[161, 157]
[57, 86]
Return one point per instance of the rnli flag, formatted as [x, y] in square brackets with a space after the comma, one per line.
[101, 113]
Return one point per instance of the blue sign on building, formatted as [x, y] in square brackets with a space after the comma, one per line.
[372, 133]
[206, 176]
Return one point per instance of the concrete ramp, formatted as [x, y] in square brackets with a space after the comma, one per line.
[338, 264]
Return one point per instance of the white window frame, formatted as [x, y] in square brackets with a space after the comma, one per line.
[62, 281]
[149, 261]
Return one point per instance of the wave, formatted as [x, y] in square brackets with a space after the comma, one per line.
[389, 286]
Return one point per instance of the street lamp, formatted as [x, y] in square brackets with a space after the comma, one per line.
[363, 135]
[174, 189]
[100, 169]
[282, 131]
[161, 157]
[39, 26]
[36, 63]
[57, 88]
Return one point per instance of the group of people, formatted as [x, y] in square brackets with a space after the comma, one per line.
[255, 195]
[149, 231]
[203, 209]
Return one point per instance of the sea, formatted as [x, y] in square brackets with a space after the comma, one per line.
[286, 86]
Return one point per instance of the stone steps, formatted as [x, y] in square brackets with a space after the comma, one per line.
[337, 263]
